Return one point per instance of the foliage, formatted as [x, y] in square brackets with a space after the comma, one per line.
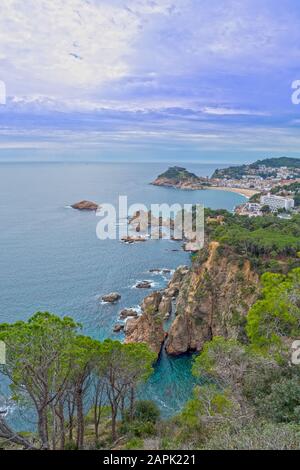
[146, 411]
[256, 435]
[177, 173]
[134, 443]
[277, 315]
[54, 370]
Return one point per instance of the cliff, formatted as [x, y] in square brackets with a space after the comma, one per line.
[213, 300]
[156, 307]
[147, 328]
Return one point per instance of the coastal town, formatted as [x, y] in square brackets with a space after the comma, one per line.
[274, 189]
[271, 185]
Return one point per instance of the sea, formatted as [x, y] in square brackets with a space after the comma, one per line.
[51, 259]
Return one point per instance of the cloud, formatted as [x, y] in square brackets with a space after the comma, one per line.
[52, 47]
[76, 43]
[166, 69]
[232, 112]
[43, 40]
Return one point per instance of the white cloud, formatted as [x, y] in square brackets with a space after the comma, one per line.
[71, 43]
[159, 67]
[50, 46]
[66, 42]
[232, 112]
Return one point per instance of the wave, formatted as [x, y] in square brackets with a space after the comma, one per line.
[152, 283]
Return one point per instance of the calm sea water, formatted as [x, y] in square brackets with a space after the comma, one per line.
[51, 259]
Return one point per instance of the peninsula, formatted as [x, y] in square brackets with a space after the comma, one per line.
[179, 178]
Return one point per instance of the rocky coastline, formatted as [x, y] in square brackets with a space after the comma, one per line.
[211, 298]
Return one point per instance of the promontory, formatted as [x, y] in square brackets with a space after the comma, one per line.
[179, 178]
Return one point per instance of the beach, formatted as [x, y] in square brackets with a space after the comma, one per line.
[243, 192]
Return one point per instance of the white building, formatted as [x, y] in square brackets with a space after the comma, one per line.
[277, 202]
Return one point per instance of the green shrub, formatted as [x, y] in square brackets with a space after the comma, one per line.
[146, 411]
[134, 444]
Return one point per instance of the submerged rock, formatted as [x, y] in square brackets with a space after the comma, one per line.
[111, 298]
[160, 271]
[132, 239]
[143, 285]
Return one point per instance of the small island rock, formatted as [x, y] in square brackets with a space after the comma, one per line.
[111, 298]
[85, 206]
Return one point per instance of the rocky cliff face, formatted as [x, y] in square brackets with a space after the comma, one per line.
[213, 300]
[148, 328]
[156, 307]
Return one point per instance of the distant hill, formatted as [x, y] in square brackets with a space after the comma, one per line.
[278, 162]
[237, 172]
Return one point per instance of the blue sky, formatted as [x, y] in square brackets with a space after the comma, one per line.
[206, 80]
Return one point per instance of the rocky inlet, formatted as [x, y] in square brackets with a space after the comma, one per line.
[156, 308]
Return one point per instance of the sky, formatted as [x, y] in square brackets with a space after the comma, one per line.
[199, 80]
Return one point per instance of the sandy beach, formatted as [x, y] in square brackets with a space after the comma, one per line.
[244, 192]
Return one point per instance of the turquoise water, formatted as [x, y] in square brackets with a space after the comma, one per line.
[51, 259]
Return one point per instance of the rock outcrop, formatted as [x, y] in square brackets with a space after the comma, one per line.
[112, 298]
[86, 206]
[175, 283]
[128, 312]
[148, 328]
[118, 328]
[165, 306]
[213, 300]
